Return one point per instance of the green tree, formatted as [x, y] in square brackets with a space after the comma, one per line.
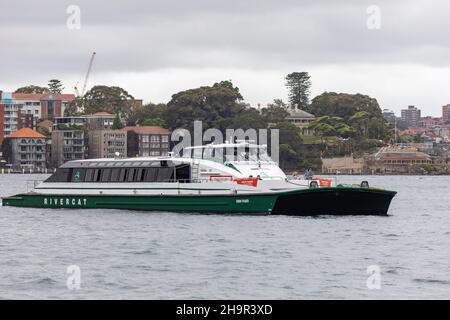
[114, 100]
[291, 145]
[298, 84]
[275, 112]
[361, 112]
[117, 123]
[248, 118]
[215, 105]
[148, 113]
[55, 86]
[154, 122]
[74, 108]
[32, 89]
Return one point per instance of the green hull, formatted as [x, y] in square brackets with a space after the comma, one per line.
[305, 202]
[261, 203]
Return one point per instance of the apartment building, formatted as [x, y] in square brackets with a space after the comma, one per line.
[107, 143]
[147, 141]
[25, 149]
[67, 145]
[411, 116]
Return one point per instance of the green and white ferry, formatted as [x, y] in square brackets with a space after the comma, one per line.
[249, 183]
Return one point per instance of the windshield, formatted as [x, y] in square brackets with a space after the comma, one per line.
[252, 154]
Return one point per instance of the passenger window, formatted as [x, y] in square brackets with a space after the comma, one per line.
[106, 173]
[89, 175]
[123, 175]
[115, 175]
[131, 174]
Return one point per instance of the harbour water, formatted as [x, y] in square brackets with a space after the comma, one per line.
[160, 255]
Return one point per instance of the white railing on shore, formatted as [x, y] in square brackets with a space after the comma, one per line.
[26, 171]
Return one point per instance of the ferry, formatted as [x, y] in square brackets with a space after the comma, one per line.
[248, 181]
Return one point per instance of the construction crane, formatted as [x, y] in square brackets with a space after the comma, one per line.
[91, 61]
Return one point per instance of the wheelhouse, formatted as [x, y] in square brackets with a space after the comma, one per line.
[231, 152]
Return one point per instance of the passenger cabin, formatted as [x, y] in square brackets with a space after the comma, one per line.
[122, 171]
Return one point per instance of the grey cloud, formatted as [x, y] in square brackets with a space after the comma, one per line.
[150, 35]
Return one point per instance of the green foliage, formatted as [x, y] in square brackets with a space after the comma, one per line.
[154, 122]
[298, 84]
[74, 108]
[215, 105]
[275, 112]
[248, 118]
[291, 145]
[55, 86]
[32, 89]
[114, 100]
[359, 116]
[148, 113]
[329, 126]
[117, 123]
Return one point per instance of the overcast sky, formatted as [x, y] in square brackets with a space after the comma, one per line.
[156, 48]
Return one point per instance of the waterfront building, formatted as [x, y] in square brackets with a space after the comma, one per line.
[147, 141]
[68, 122]
[23, 110]
[67, 145]
[428, 122]
[100, 120]
[342, 165]
[106, 143]
[446, 113]
[397, 159]
[411, 116]
[389, 116]
[25, 149]
[301, 119]
[44, 105]
[96, 121]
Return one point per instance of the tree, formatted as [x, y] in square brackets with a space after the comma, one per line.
[298, 84]
[248, 118]
[275, 112]
[74, 108]
[32, 89]
[215, 105]
[117, 123]
[55, 86]
[148, 113]
[291, 145]
[154, 122]
[361, 112]
[114, 100]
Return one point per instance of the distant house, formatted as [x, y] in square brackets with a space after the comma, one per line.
[25, 149]
[301, 119]
[342, 165]
[396, 159]
[144, 141]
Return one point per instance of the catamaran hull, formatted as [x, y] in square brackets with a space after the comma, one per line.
[260, 203]
[334, 201]
[304, 202]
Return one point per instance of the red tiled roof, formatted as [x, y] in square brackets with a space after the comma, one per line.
[25, 133]
[102, 113]
[147, 129]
